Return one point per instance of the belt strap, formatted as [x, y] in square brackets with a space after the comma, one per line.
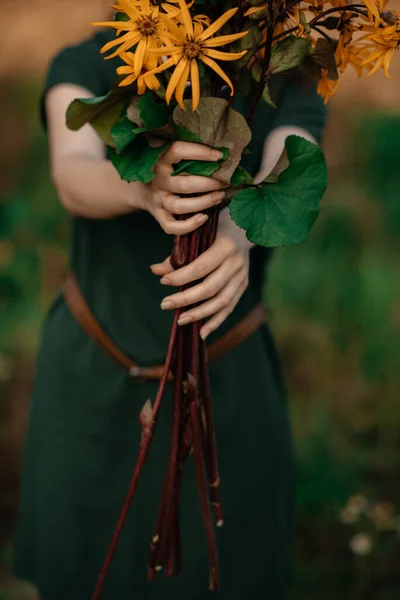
[86, 319]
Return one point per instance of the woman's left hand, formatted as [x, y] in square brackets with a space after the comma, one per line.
[223, 269]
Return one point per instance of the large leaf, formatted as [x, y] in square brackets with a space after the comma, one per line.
[282, 213]
[137, 162]
[102, 112]
[288, 54]
[217, 125]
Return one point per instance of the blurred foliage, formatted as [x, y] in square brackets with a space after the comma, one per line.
[336, 312]
[32, 227]
[334, 304]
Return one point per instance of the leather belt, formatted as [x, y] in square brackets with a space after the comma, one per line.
[88, 322]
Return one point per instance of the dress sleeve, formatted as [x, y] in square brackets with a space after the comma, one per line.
[80, 65]
[299, 105]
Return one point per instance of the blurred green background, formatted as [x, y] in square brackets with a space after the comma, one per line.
[334, 304]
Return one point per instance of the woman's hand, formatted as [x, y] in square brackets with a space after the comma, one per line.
[163, 198]
[222, 272]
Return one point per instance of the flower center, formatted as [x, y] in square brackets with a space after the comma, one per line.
[147, 26]
[192, 50]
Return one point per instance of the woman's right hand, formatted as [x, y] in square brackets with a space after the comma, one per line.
[163, 199]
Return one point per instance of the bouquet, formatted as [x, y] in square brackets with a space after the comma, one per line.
[182, 63]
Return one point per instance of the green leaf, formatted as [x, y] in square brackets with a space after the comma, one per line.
[250, 43]
[154, 115]
[196, 167]
[121, 16]
[102, 112]
[288, 54]
[137, 162]
[218, 125]
[200, 167]
[184, 135]
[124, 132]
[241, 177]
[282, 213]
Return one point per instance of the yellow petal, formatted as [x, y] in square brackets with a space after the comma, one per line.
[139, 55]
[141, 86]
[175, 78]
[128, 81]
[373, 9]
[387, 61]
[125, 42]
[377, 65]
[168, 63]
[224, 55]
[224, 39]
[174, 29]
[180, 88]
[255, 9]
[165, 50]
[218, 24]
[215, 67]
[186, 18]
[194, 74]
[125, 70]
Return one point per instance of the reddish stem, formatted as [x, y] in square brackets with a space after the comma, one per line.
[143, 453]
[205, 507]
[211, 456]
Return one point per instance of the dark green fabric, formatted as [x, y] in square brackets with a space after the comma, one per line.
[84, 431]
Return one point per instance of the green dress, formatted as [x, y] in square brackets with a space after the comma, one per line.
[84, 429]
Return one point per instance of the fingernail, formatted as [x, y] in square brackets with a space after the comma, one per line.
[185, 319]
[203, 334]
[165, 281]
[167, 304]
[218, 197]
[217, 154]
[201, 218]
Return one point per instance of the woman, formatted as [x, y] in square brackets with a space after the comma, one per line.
[84, 430]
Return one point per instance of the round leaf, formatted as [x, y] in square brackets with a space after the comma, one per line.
[282, 213]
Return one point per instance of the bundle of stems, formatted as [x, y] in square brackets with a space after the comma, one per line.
[192, 433]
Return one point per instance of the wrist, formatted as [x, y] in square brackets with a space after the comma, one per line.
[138, 195]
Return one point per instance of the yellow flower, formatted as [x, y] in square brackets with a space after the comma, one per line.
[379, 46]
[326, 87]
[150, 62]
[144, 28]
[193, 43]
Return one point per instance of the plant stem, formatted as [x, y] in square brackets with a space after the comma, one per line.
[143, 453]
[264, 73]
[205, 507]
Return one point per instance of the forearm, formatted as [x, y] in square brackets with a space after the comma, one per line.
[91, 187]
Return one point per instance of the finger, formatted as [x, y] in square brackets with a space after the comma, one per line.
[203, 265]
[222, 315]
[181, 206]
[192, 184]
[174, 227]
[206, 289]
[220, 302]
[163, 268]
[190, 151]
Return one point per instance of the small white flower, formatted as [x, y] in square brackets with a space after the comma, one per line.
[361, 544]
